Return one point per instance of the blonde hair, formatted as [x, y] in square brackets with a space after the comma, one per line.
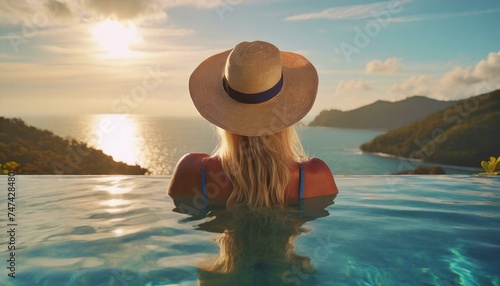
[259, 166]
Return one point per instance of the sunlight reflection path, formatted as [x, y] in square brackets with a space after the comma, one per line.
[118, 135]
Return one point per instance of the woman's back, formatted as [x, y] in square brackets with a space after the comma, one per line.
[187, 180]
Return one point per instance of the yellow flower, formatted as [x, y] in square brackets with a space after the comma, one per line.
[9, 166]
[491, 165]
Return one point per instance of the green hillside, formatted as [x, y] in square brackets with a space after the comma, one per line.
[381, 115]
[463, 134]
[41, 152]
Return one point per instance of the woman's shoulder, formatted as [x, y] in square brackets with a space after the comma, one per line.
[186, 173]
[316, 164]
[192, 158]
[316, 167]
[319, 180]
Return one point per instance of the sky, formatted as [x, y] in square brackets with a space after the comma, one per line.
[136, 56]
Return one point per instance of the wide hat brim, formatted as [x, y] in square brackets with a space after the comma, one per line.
[290, 105]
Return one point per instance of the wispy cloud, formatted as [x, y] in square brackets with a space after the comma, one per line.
[34, 13]
[64, 50]
[354, 85]
[353, 12]
[356, 12]
[440, 16]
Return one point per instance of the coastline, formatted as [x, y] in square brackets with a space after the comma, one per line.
[424, 163]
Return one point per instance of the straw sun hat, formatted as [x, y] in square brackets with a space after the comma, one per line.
[254, 89]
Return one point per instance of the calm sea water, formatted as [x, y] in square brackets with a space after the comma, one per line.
[382, 230]
[158, 143]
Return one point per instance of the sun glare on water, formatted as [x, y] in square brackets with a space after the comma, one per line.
[118, 135]
[116, 38]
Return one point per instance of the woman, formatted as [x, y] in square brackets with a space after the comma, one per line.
[254, 93]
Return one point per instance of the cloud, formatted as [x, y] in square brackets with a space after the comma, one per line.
[391, 65]
[57, 8]
[459, 76]
[60, 12]
[126, 9]
[33, 13]
[489, 68]
[353, 12]
[438, 16]
[202, 4]
[415, 85]
[353, 85]
[457, 83]
[338, 13]
[351, 93]
[356, 12]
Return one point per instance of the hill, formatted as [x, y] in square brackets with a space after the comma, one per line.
[381, 115]
[463, 134]
[41, 152]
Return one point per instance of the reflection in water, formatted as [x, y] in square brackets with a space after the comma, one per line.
[132, 140]
[256, 248]
[115, 202]
[118, 231]
[118, 136]
[113, 190]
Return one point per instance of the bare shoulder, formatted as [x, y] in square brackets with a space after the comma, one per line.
[186, 174]
[191, 158]
[319, 178]
[317, 165]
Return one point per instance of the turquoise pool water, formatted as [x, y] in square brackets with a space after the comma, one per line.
[381, 230]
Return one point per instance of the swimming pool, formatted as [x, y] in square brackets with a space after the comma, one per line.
[381, 230]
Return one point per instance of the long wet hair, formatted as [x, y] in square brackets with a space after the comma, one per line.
[259, 166]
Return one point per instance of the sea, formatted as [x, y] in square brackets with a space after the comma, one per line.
[157, 143]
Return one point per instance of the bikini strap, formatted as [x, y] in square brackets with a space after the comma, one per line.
[301, 185]
[204, 183]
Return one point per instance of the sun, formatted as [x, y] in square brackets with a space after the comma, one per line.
[116, 38]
